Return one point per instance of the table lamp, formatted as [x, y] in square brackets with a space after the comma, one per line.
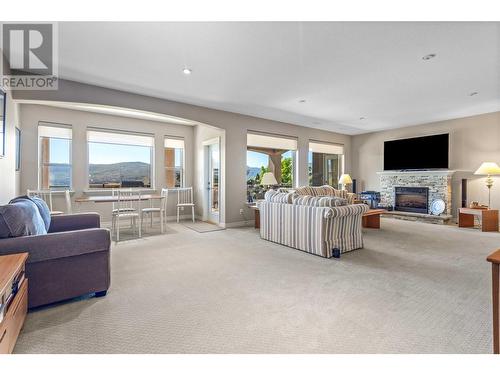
[268, 179]
[344, 180]
[489, 169]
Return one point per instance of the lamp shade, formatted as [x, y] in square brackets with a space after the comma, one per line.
[268, 179]
[345, 179]
[488, 168]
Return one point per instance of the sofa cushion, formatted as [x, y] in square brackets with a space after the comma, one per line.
[21, 218]
[320, 201]
[276, 197]
[43, 209]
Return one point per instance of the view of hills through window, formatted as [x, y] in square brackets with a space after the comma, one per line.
[114, 165]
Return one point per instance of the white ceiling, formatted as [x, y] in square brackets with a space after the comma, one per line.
[344, 71]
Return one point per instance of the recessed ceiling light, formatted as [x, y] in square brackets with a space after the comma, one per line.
[429, 56]
[362, 118]
[302, 101]
[187, 71]
[473, 93]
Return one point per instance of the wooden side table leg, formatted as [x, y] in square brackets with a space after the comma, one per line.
[465, 220]
[371, 221]
[495, 290]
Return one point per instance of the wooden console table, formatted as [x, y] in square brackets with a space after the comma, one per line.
[371, 218]
[488, 218]
[494, 259]
[13, 299]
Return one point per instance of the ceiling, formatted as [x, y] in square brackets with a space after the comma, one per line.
[343, 71]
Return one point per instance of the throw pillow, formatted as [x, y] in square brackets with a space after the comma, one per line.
[43, 209]
[21, 218]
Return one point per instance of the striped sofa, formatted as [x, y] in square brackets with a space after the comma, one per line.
[321, 225]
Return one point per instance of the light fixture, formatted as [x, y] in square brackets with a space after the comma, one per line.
[473, 93]
[187, 71]
[429, 56]
[344, 180]
[362, 118]
[302, 101]
[489, 169]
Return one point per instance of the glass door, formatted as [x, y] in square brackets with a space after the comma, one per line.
[213, 182]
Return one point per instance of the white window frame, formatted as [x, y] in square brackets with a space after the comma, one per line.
[277, 141]
[124, 133]
[57, 127]
[175, 139]
[326, 148]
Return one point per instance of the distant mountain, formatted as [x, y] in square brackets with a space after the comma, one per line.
[129, 171]
[252, 172]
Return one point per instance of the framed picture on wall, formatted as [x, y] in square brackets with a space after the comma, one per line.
[18, 149]
[3, 99]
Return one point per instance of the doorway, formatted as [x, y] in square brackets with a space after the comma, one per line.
[212, 180]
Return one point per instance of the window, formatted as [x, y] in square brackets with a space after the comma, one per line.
[269, 153]
[119, 159]
[174, 162]
[325, 163]
[55, 156]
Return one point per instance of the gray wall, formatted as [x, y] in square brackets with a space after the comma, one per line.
[473, 140]
[234, 125]
[8, 176]
[80, 120]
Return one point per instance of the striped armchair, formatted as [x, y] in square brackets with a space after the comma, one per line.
[317, 226]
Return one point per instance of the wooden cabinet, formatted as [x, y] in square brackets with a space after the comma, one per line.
[12, 268]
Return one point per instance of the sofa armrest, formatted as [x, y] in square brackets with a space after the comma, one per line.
[58, 245]
[65, 223]
[350, 210]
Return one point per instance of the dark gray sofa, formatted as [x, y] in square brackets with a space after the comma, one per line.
[72, 260]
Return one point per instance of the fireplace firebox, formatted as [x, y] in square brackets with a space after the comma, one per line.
[411, 199]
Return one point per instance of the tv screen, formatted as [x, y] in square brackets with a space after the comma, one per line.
[430, 152]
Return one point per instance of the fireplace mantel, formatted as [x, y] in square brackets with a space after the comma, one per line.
[447, 172]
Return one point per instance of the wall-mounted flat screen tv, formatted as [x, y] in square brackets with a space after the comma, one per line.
[430, 152]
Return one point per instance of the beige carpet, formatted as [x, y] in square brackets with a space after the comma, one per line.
[414, 288]
[201, 226]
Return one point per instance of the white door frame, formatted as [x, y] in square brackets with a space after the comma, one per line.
[207, 213]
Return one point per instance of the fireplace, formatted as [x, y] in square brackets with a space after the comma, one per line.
[411, 199]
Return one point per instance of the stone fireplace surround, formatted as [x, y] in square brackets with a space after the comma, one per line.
[437, 181]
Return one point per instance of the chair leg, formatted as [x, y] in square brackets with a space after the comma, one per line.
[140, 229]
[151, 220]
[178, 208]
[117, 229]
[161, 221]
[192, 213]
